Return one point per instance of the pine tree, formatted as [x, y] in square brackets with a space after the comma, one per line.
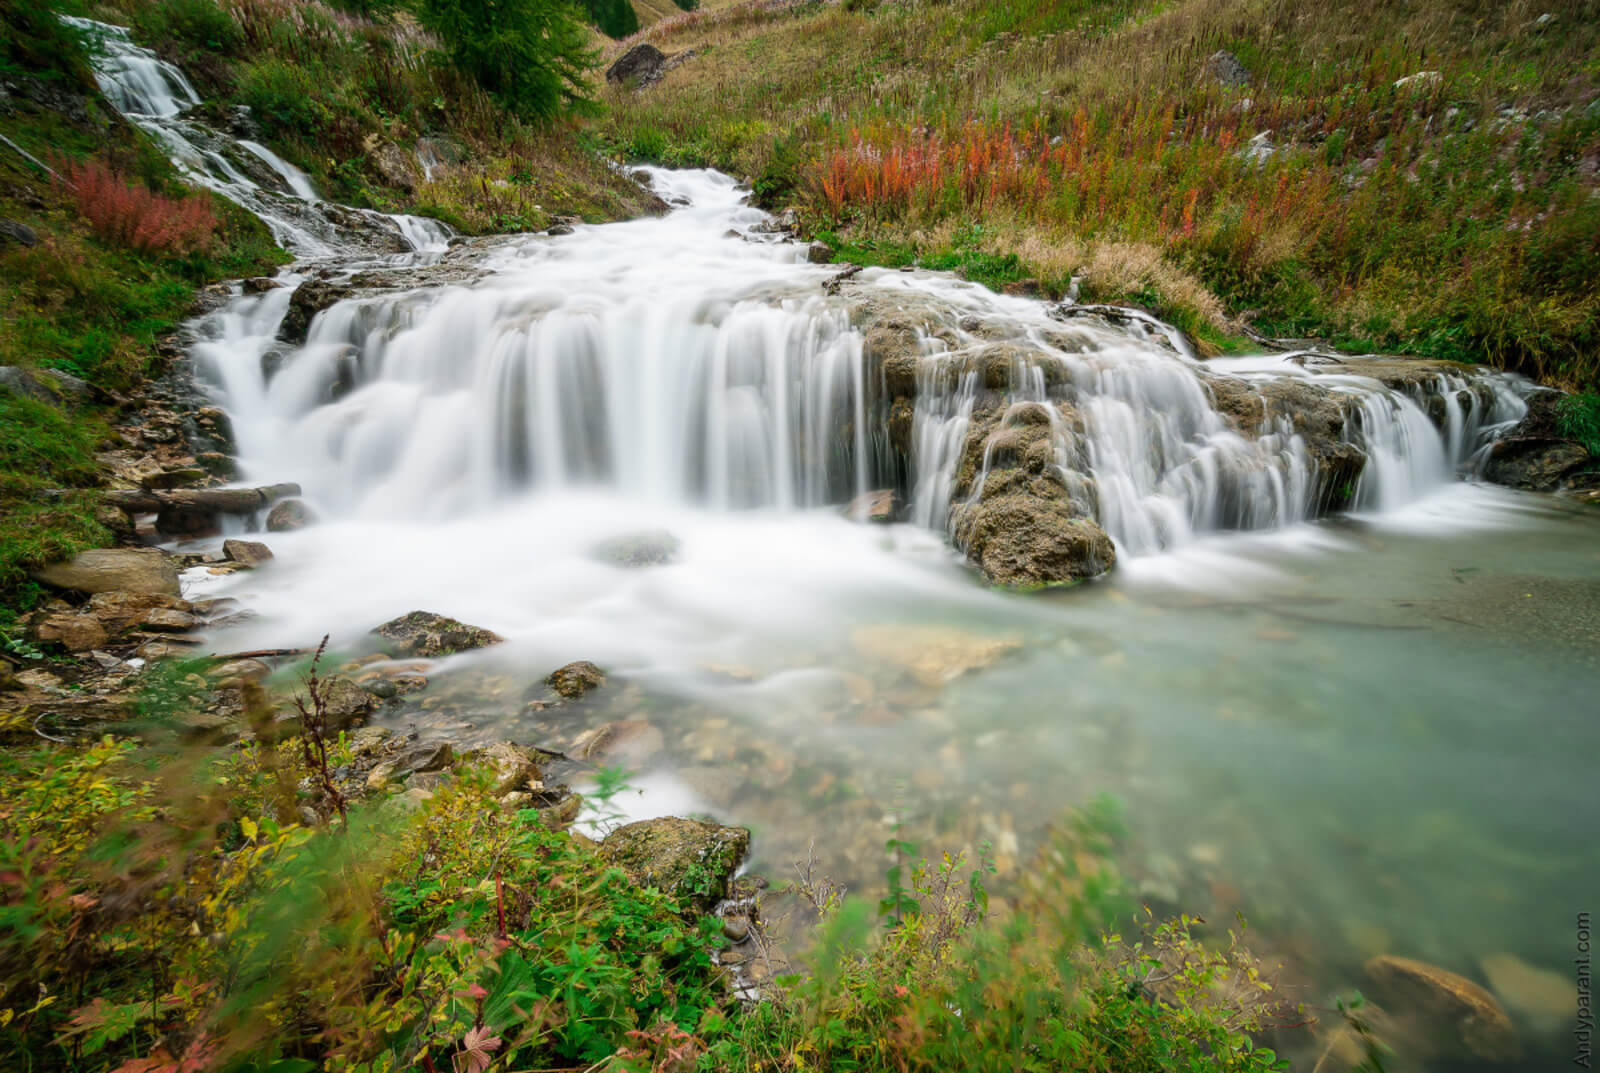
[531, 54]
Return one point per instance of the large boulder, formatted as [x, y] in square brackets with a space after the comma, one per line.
[690, 860]
[139, 570]
[289, 515]
[1023, 541]
[425, 634]
[1460, 1017]
[641, 65]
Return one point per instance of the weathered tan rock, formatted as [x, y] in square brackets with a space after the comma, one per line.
[120, 611]
[513, 767]
[141, 570]
[688, 859]
[932, 655]
[631, 742]
[246, 552]
[1457, 1014]
[76, 631]
[167, 620]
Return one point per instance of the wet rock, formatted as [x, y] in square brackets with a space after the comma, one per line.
[640, 66]
[1458, 1014]
[261, 285]
[429, 757]
[629, 742]
[688, 859]
[289, 515]
[247, 670]
[819, 253]
[1546, 999]
[1023, 541]
[1024, 288]
[246, 552]
[513, 767]
[736, 929]
[425, 634]
[876, 506]
[1535, 455]
[653, 547]
[310, 298]
[932, 655]
[139, 570]
[168, 620]
[575, 679]
[347, 703]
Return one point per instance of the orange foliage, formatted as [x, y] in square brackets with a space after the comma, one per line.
[131, 215]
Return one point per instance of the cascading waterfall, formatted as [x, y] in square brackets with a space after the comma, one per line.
[694, 360]
[154, 95]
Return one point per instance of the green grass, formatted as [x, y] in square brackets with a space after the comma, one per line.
[1453, 216]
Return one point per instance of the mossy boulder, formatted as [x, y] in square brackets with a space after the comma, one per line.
[575, 679]
[427, 635]
[691, 860]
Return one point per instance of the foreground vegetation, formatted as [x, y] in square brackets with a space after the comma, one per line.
[1403, 177]
[171, 909]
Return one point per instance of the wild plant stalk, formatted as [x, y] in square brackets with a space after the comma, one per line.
[314, 732]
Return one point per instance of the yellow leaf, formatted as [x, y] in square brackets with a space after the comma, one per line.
[249, 828]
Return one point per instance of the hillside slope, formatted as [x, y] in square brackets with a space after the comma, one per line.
[1404, 176]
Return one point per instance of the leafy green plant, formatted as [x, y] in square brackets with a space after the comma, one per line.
[1579, 419]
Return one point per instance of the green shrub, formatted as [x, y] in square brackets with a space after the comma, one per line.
[1580, 420]
[193, 26]
[615, 18]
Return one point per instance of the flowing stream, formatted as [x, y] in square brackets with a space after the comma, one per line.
[1370, 732]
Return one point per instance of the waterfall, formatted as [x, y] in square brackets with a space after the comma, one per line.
[154, 95]
[695, 360]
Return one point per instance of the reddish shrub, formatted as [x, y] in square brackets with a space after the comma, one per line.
[130, 214]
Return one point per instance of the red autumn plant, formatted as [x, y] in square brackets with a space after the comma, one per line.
[130, 214]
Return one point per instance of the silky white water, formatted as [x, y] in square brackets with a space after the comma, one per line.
[1360, 731]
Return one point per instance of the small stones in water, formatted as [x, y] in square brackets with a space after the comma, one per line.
[932, 655]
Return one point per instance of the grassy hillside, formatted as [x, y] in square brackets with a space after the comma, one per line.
[1401, 176]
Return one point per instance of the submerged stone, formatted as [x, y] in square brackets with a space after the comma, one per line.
[575, 679]
[1459, 1015]
[654, 547]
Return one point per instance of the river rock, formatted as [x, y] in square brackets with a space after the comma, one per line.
[1459, 1014]
[75, 631]
[1023, 542]
[629, 742]
[932, 655]
[640, 66]
[688, 859]
[872, 506]
[346, 703]
[575, 679]
[246, 552]
[654, 547]
[168, 620]
[425, 634]
[819, 253]
[1546, 999]
[513, 767]
[289, 515]
[310, 298]
[1534, 454]
[138, 570]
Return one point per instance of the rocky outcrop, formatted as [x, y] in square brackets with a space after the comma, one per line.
[690, 860]
[135, 570]
[425, 634]
[310, 298]
[247, 553]
[640, 65]
[43, 385]
[1535, 455]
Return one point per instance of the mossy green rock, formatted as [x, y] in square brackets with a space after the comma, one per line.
[689, 859]
[425, 634]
